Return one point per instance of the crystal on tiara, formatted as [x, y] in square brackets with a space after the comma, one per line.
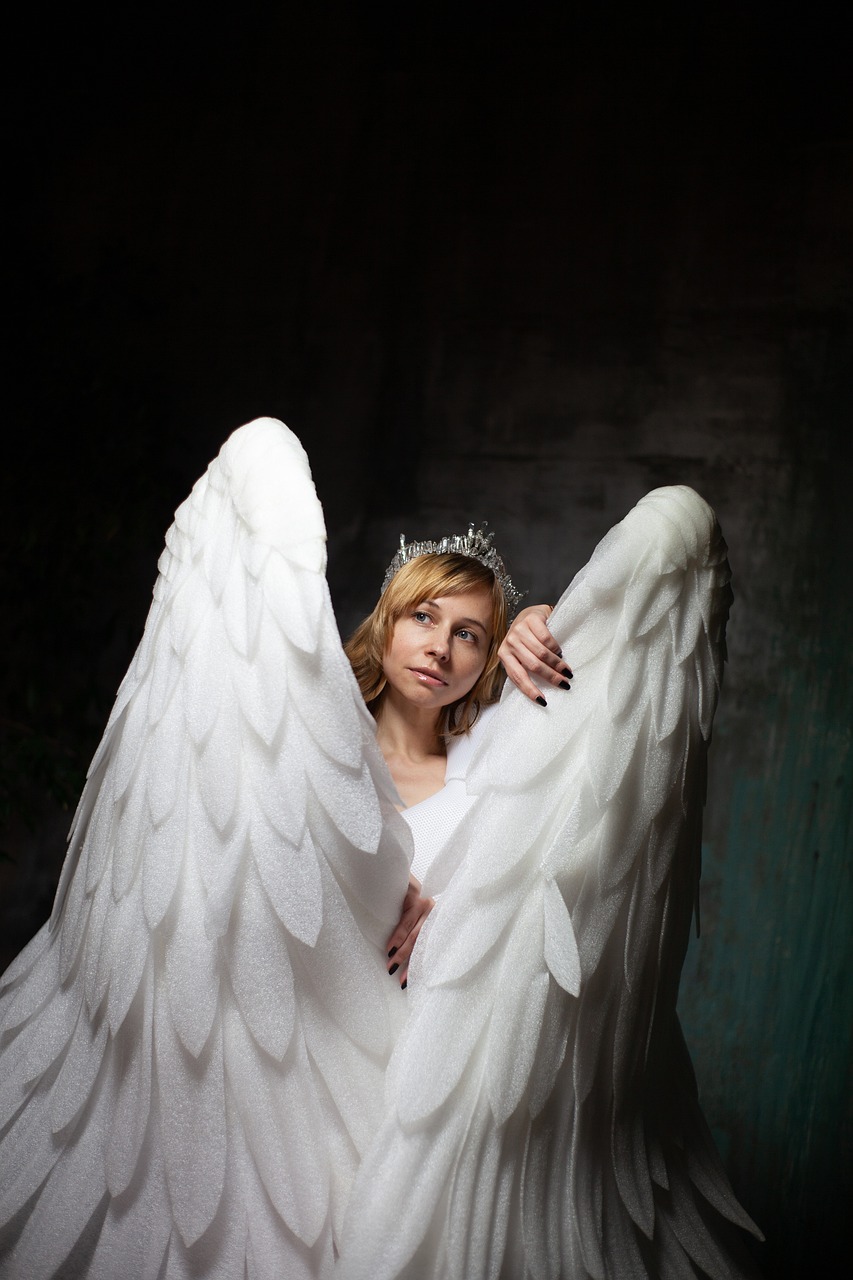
[475, 543]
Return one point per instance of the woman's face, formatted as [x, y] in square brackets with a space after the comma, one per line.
[439, 648]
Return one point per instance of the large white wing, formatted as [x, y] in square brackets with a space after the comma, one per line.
[541, 1114]
[193, 1050]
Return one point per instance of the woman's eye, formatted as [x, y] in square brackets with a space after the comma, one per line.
[420, 616]
[466, 635]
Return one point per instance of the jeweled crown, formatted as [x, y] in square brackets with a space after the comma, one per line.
[476, 543]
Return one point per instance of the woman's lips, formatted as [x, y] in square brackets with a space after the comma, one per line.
[428, 677]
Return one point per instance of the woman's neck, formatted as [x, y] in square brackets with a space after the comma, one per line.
[406, 731]
[413, 748]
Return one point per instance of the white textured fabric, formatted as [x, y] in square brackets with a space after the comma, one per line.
[434, 820]
[205, 1070]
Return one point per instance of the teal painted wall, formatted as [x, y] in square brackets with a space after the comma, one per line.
[767, 993]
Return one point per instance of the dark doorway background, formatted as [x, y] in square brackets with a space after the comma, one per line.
[520, 265]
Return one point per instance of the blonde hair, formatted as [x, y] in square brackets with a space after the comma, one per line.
[426, 578]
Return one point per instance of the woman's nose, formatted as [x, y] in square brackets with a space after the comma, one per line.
[440, 646]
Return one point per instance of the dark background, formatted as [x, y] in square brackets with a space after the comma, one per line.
[521, 265]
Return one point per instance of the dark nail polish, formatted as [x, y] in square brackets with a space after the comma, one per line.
[394, 968]
[403, 985]
[392, 953]
[567, 672]
[542, 702]
[564, 684]
[559, 653]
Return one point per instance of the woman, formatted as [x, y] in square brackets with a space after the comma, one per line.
[427, 661]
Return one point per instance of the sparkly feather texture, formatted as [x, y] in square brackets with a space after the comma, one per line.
[205, 1069]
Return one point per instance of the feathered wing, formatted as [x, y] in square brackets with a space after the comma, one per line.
[541, 1115]
[193, 1050]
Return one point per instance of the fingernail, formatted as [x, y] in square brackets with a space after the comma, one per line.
[567, 671]
[394, 968]
[542, 702]
[559, 653]
[403, 985]
[392, 953]
[564, 684]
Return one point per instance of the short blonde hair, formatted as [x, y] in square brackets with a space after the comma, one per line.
[426, 578]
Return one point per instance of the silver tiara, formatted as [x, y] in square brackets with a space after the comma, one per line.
[476, 543]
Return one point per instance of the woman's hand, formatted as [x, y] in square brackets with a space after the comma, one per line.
[415, 911]
[529, 649]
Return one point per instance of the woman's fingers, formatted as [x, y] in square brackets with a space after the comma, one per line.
[530, 651]
[402, 940]
[399, 957]
[404, 953]
[413, 908]
[519, 677]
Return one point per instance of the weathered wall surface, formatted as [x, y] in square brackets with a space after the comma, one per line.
[521, 273]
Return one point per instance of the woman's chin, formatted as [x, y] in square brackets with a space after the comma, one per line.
[428, 696]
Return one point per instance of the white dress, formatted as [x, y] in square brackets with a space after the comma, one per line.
[433, 821]
[205, 1071]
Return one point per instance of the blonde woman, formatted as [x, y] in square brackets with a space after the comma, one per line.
[428, 664]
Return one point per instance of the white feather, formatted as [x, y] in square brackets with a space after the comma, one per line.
[291, 878]
[560, 946]
[79, 1070]
[133, 1100]
[280, 1120]
[261, 969]
[192, 1109]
